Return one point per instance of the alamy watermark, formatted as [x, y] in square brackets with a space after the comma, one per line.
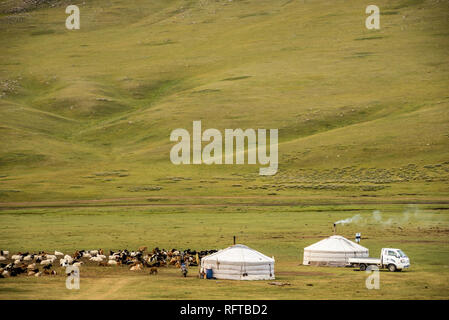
[373, 20]
[73, 278]
[212, 153]
[73, 21]
[373, 280]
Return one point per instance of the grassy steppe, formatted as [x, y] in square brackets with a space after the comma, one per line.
[282, 232]
[363, 119]
[88, 113]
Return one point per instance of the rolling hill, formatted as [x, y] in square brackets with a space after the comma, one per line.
[87, 113]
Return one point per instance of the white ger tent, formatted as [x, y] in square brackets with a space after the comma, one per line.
[333, 251]
[239, 262]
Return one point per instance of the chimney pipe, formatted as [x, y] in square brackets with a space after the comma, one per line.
[234, 240]
[335, 228]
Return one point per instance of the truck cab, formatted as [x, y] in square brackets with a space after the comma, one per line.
[394, 259]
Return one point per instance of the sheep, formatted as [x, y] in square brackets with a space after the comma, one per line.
[2, 258]
[93, 252]
[112, 262]
[4, 253]
[87, 255]
[102, 264]
[136, 267]
[16, 257]
[38, 274]
[63, 262]
[68, 258]
[46, 262]
[28, 258]
[58, 254]
[96, 259]
[77, 264]
[50, 257]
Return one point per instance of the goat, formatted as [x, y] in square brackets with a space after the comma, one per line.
[47, 267]
[153, 270]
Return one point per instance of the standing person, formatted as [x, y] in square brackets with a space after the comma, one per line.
[184, 269]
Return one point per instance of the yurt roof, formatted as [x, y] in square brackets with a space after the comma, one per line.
[336, 244]
[237, 253]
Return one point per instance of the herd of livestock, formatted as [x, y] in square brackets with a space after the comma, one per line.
[43, 263]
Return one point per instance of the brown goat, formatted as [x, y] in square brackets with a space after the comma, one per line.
[153, 270]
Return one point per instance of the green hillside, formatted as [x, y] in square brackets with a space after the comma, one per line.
[87, 114]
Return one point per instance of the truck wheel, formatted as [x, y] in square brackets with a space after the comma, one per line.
[392, 267]
[362, 267]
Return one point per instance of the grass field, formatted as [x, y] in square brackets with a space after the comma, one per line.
[363, 119]
[282, 232]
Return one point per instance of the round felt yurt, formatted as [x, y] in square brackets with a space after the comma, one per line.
[333, 251]
[238, 262]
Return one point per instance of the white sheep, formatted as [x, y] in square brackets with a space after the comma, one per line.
[96, 259]
[28, 258]
[46, 262]
[112, 262]
[102, 256]
[50, 257]
[87, 255]
[78, 264]
[93, 252]
[57, 253]
[4, 253]
[2, 258]
[68, 258]
[16, 257]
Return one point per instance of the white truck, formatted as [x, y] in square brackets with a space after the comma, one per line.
[390, 258]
